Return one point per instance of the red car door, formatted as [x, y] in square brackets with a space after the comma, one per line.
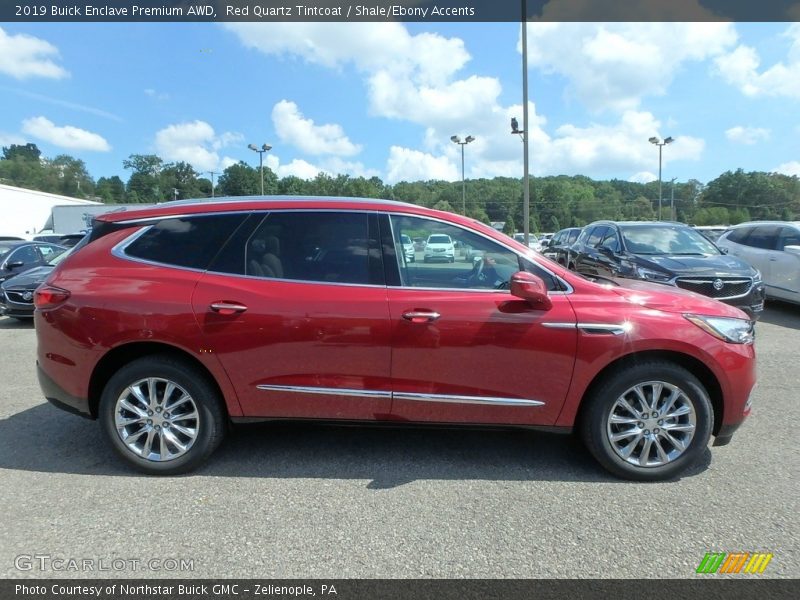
[464, 349]
[296, 310]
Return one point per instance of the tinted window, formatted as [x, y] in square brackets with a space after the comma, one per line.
[573, 236]
[439, 239]
[596, 236]
[737, 236]
[611, 241]
[557, 238]
[789, 237]
[185, 242]
[47, 250]
[764, 237]
[313, 246]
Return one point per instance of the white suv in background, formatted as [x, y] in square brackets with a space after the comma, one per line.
[408, 248]
[440, 247]
[772, 247]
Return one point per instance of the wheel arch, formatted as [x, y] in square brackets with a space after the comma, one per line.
[118, 357]
[690, 363]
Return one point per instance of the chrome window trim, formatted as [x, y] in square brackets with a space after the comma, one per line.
[569, 289]
[413, 396]
[326, 391]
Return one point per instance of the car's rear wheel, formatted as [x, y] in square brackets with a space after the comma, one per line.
[649, 422]
[162, 415]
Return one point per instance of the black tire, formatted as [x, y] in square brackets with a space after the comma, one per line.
[210, 424]
[594, 424]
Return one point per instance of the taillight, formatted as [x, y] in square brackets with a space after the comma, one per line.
[48, 296]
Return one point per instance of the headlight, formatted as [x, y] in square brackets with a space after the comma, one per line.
[757, 276]
[735, 331]
[650, 275]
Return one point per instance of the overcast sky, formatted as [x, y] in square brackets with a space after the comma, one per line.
[384, 98]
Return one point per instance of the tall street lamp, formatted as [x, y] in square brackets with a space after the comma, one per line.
[457, 140]
[212, 173]
[660, 143]
[264, 148]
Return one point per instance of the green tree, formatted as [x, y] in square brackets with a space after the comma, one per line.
[26, 152]
[239, 180]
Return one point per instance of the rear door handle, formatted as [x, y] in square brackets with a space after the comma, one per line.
[421, 316]
[228, 308]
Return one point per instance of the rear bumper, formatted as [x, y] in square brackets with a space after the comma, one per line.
[56, 396]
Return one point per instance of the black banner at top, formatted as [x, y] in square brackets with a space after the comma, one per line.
[397, 10]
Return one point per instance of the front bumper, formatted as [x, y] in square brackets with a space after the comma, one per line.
[56, 396]
[15, 309]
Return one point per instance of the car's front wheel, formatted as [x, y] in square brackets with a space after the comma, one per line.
[162, 415]
[648, 422]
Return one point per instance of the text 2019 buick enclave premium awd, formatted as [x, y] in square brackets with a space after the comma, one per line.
[170, 322]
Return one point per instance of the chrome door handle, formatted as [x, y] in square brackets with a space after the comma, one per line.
[421, 316]
[228, 308]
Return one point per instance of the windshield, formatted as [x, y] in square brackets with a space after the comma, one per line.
[57, 257]
[5, 249]
[439, 239]
[666, 239]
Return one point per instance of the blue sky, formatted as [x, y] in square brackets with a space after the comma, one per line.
[384, 98]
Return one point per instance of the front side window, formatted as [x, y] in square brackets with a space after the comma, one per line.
[738, 235]
[455, 258]
[789, 237]
[596, 236]
[26, 255]
[764, 237]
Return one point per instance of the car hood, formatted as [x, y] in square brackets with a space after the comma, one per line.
[706, 265]
[671, 299]
[32, 278]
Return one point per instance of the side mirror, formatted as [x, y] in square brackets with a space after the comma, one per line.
[14, 265]
[792, 250]
[531, 288]
[723, 249]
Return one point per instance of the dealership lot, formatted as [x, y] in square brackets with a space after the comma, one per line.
[328, 502]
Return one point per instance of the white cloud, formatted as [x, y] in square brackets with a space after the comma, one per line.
[196, 143]
[67, 136]
[297, 168]
[747, 135]
[615, 65]
[23, 56]
[789, 168]
[405, 164]
[741, 69]
[302, 133]
[9, 139]
[643, 177]
[156, 94]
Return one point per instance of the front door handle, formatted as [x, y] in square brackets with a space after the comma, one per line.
[421, 316]
[228, 308]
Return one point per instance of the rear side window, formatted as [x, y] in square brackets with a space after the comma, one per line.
[598, 233]
[739, 235]
[573, 236]
[190, 241]
[765, 238]
[789, 237]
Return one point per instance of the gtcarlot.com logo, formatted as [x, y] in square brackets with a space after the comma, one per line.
[47, 562]
[754, 563]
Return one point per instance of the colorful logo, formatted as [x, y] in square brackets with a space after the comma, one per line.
[735, 562]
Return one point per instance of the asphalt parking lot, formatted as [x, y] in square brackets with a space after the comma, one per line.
[332, 502]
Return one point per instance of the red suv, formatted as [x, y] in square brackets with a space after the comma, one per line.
[167, 323]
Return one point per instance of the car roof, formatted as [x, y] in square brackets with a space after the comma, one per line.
[249, 203]
[752, 223]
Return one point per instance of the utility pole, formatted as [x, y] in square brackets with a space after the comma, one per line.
[212, 173]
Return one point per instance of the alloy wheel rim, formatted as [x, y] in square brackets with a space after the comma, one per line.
[651, 424]
[156, 419]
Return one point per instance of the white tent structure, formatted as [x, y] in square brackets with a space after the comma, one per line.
[23, 213]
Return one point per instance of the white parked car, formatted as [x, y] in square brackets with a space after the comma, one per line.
[772, 247]
[408, 248]
[440, 247]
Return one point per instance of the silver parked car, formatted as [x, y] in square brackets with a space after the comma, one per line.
[772, 247]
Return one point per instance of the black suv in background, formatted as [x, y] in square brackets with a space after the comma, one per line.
[667, 253]
[557, 247]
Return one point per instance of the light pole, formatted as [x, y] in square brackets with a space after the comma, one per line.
[522, 133]
[660, 143]
[457, 140]
[212, 173]
[264, 148]
[672, 214]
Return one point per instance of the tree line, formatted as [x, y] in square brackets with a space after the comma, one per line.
[556, 201]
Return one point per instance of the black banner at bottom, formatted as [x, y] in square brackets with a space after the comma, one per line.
[395, 589]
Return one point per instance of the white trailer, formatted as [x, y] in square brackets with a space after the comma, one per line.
[25, 213]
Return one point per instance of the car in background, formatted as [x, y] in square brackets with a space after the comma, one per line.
[162, 328]
[670, 254]
[19, 256]
[557, 248]
[772, 247]
[419, 243]
[712, 232]
[62, 239]
[16, 293]
[408, 248]
[439, 247]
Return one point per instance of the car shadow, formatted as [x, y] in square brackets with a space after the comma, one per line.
[783, 314]
[43, 439]
[11, 323]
